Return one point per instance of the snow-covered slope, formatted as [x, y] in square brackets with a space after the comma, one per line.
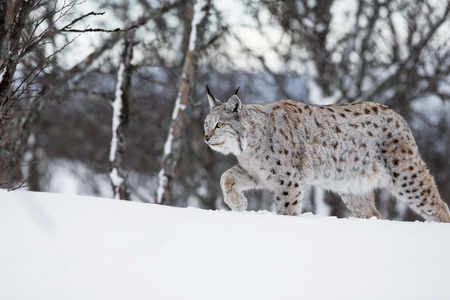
[70, 247]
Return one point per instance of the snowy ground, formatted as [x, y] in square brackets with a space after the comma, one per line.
[57, 247]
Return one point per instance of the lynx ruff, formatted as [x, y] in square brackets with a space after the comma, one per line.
[350, 149]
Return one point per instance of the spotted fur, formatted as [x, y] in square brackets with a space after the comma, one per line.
[350, 149]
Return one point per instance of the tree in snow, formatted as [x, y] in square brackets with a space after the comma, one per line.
[119, 180]
[180, 115]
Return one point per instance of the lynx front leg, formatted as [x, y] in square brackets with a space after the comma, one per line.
[233, 182]
[288, 198]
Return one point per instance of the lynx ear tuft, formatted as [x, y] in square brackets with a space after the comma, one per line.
[212, 101]
[237, 90]
[234, 104]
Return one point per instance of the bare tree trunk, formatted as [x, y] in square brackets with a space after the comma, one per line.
[180, 116]
[11, 28]
[119, 180]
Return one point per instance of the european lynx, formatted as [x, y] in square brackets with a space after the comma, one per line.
[350, 149]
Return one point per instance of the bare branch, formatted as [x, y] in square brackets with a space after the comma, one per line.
[81, 18]
[413, 56]
[99, 29]
[141, 21]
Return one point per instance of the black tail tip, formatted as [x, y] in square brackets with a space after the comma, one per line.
[208, 91]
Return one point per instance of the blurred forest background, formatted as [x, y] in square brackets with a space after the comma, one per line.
[78, 75]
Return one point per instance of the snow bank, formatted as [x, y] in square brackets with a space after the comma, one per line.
[73, 247]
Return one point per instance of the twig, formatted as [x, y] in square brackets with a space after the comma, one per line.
[92, 13]
[21, 185]
[99, 29]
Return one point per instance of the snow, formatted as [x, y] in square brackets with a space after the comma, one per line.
[168, 144]
[381, 78]
[178, 106]
[75, 247]
[117, 107]
[199, 14]
[162, 184]
[27, 162]
[308, 23]
[116, 181]
[2, 73]
[176, 110]
[315, 94]
[73, 177]
[322, 208]
[312, 3]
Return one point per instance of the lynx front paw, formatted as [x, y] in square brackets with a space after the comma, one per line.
[236, 201]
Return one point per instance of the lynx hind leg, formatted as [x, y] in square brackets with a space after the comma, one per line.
[233, 182]
[362, 206]
[416, 187]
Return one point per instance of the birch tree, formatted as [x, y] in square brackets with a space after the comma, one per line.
[119, 180]
[180, 115]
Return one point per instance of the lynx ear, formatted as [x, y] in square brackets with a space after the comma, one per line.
[234, 104]
[212, 101]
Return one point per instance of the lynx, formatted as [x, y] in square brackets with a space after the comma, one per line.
[350, 149]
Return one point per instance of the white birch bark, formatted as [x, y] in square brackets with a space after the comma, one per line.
[117, 176]
[179, 116]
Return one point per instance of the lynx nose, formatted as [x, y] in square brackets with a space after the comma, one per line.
[206, 137]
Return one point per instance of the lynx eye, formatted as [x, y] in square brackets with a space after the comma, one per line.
[206, 124]
[219, 125]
